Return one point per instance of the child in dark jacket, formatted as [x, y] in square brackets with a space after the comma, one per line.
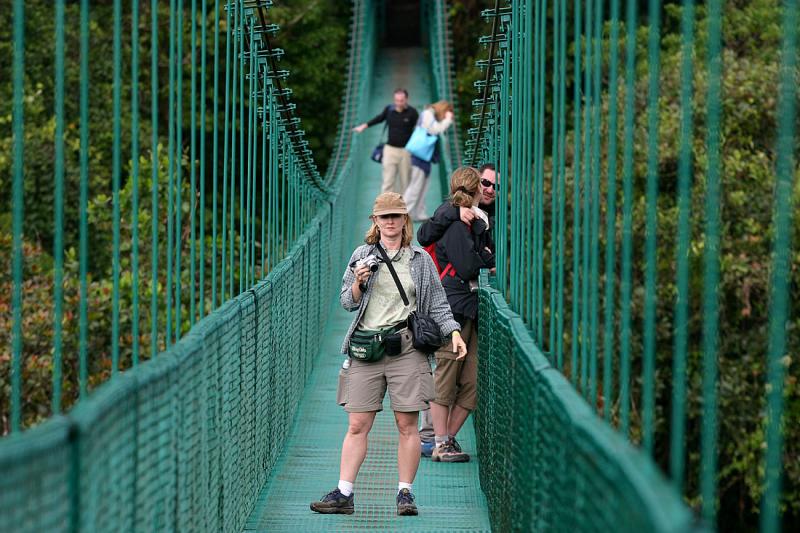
[462, 251]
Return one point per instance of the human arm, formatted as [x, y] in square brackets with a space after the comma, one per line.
[433, 229]
[433, 126]
[351, 293]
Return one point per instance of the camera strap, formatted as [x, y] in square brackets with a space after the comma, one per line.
[392, 271]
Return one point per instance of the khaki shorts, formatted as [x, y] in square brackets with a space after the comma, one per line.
[407, 376]
[457, 381]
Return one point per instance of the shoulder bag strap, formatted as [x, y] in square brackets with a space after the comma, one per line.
[388, 262]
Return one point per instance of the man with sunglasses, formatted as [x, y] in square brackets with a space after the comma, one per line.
[435, 228]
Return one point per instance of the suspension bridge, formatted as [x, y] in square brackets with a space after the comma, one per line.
[215, 410]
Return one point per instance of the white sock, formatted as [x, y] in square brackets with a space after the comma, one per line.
[440, 439]
[345, 487]
[401, 486]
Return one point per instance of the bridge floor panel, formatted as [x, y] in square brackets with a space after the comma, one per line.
[448, 495]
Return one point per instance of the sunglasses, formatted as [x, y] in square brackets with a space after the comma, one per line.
[487, 183]
[390, 215]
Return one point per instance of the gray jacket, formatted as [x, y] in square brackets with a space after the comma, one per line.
[431, 298]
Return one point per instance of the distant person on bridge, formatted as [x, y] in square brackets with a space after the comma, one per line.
[445, 215]
[435, 118]
[462, 250]
[380, 349]
[400, 119]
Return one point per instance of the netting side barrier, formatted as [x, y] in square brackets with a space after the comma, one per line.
[186, 440]
[547, 462]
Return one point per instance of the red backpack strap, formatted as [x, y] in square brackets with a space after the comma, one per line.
[448, 270]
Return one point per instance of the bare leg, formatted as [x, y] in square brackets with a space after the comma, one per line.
[408, 446]
[354, 447]
[458, 415]
[439, 413]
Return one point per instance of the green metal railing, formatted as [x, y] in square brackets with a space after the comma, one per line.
[185, 441]
[440, 49]
[584, 282]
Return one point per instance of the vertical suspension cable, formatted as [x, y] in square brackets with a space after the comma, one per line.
[154, 221]
[594, 260]
[171, 158]
[651, 226]
[611, 215]
[83, 320]
[135, 182]
[215, 162]
[227, 130]
[193, 163]
[708, 433]
[562, 140]
[235, 77]
[554, 185]
[627, 218]
[58, 240]
[249, 192]
[179, 174]
[17, 190]
[587, 185]
[241, 173]
[117, 164]
[678, 423]
[542, 92]
[779, 297]
[203, 59]
[576, 191]
[264, 156]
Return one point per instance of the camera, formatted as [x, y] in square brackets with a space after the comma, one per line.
[370, 261]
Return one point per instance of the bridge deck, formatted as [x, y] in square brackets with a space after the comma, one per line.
[449, 496]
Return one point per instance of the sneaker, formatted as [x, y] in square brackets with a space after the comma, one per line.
[334, 503]
[427, 448]
[456, 445]
[405, 503]
[446, 453]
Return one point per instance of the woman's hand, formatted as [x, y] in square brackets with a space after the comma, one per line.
[467, 215]
[362, 274]
[459, 347]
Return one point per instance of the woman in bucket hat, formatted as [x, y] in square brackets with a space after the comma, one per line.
[379, 347]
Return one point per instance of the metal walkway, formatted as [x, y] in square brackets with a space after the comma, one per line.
[449, 496]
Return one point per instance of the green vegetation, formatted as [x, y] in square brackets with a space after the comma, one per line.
[314, 37]
[751, 40]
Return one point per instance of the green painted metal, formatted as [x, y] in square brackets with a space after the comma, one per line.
[178, 442]
[533, 252]
[58, 223]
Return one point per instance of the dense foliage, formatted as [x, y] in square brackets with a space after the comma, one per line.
[751, 40]
[316, 61]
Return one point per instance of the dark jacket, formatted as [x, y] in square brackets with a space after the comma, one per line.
[400, 125]
[466, 248]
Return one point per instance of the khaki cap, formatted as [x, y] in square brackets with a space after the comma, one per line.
[388, 203]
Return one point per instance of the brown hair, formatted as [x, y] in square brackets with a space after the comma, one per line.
[440, 108]
[373, 235]
[464, 185]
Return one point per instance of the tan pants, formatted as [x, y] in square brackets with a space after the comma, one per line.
[396, 169]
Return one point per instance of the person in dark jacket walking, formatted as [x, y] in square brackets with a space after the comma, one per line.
[400, 120]
[462, 250]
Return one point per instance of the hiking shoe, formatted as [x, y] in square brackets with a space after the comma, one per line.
[427, 448]
[334, 503]
[405, 503]
[447, 453]
[456, 445]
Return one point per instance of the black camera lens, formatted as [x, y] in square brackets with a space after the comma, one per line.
[374, 267]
